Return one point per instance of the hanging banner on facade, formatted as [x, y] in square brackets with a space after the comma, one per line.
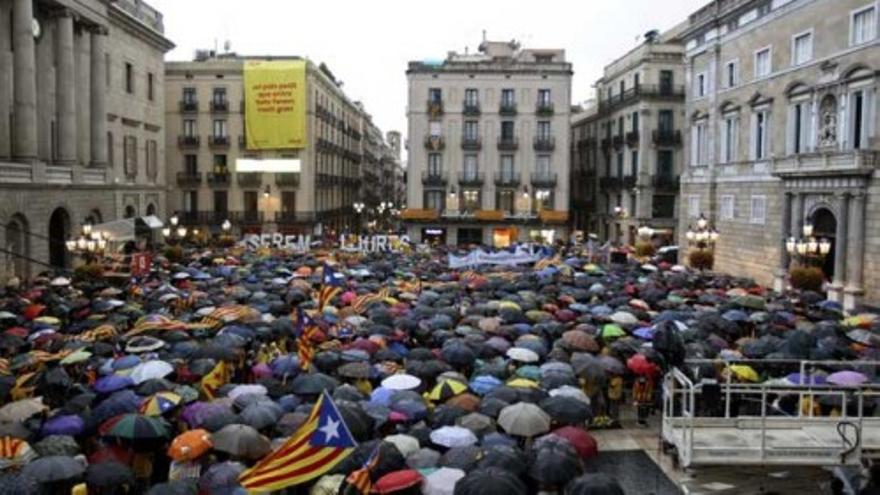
[519, 256]
[275, 104]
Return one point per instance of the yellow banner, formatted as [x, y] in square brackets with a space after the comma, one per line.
[275, 104]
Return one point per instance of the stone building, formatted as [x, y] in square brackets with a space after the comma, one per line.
[81, 123]
[206, 139]
[488, 150]
[636, 150]
[583, 176]
[782, 111]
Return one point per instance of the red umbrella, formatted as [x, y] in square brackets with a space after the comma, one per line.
[583, 442]
[33, 311]
[397, 480]
[640, 365]
[17, 331]
[111, 452]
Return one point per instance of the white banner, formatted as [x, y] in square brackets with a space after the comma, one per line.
[520, 256]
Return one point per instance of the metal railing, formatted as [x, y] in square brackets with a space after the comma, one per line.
[218, 141]
[189, 178]
[287, 179]
[544, 108]
[506, 179]
[249, 179]
[434, 179]
[470, 179]
[471, 108]
[185, 141]
[189, 106]
[667, 137]
[544, 143]
[632, 95]
[508, 143]
[471, 143]
[507, 108]
[219, 106]
[544, 179]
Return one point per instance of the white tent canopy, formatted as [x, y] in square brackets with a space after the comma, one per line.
[125, 229]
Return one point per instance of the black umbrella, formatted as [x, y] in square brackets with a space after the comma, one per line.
[594, 484]
[106, 474]
[446, 415]
[313, 384]
[566, 410]
[390, 459]
[555, 462]
[216, 422]
[54, 468]
[359, 423]
[457, 353]
[154, 386]
[16, 483]
[506, 457]
[490, 480]
[464, 458]
[175, 488]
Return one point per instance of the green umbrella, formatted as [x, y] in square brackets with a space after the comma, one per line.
[611, 331]
[751, 302]
[530, 371]
[136, 427]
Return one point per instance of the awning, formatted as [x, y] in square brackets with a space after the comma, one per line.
[126, 229]
[153, 222]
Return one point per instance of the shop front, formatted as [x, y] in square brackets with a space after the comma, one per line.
[435, 236]
[503, 237]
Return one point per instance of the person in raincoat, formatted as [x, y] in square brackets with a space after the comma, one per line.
[643, 397]
[614, 397]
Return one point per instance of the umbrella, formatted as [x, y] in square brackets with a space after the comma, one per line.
[453, 436]
[174, 488]
[584, 444]
[112, 383]
[623, 318]
[219, 478]
[261, 414]
[847, 378]
[109, 474]
[579, 340]
[507, 457]
[566, 410]
[406, 444]
[401, 382]
[397, 481]
[135, 427]
[22, 409]
[355, 370]
[15, 452]
[490, 480]
[442, 481]
[423, 458]
[241, 441]
[478, 423]
[744, 372]
[555, 461]
[523, 355]
[464, 458]
[446, 389]
[524, 419]
[611, 331]
[54, 468]
[190, 445]
[594, 484]
[59, 445]
[798, 379]
[160, 403]
[640, 365]
[63, 425]
[484, 384]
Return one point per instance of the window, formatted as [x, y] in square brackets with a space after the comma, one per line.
[221, 201]
[620, 164]
[762, 63]
[700, 85]
[635, 121]
[220, 165]
[507, 97]
[507, 131]
[435, 164]
[129, 78]
[152, 163]
[470, 200]
[544, 97]
[543, 200]
[620, 126]
[727, 212]
[190, 201]
[436, 129]
[863, 26]
[802, 48]
[108, 78]
[111, 158]
[731, 74]
[544, 129]
[663, 206]
[219, 96]
[761, 134]
[189, 127]
[665, 122]
[759, 209]
[189, 95]
[729, 140]
[435, 95]
[435, 200]
[288, 202]
[130, 156]
[666, 78]
[470, 130]
[634, 162]
[250, 201]
[799, 127]
[665, 167]
[150, 86]
[470, 167]
[507, 172]
[636, 81]
[542, 165]
[699, 144]
[470, 97]
[506, 200]
[622, 86]
[191, 164]
[220, 128]
[860, 117]
[694, 206]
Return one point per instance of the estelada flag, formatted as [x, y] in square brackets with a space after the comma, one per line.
[321, 443]
[218, 377]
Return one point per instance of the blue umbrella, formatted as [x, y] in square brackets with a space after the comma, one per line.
[601, 310]
[381, 395]
[736, 315]
[798, 379]
[63, 425]
[644, 333]
[494, 439]
[126, 362]
[830, 306]
[287, 365]
[112, 383]
[123, 402]
[484, 384]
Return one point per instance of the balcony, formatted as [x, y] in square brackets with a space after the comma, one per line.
[586, 143]
[218, 141]
[666, 137]
[189, 218]
[610, 183]
[544, 179]
[188, 141]
[851, 162]
[219, 106]
[249, 179]
[471, 108]
[544, 108]
[189, 179]
[292, 217]
[606, 145]
[634, 94]
[246, 217]
[434, 179]
[189, 106]
[617, 142]
[288, 179]
[508, 143]
[218, 179]
[632, 139]
[507, 109]
[470, 179]
[544, 143]
[435, 143]
[471, 143]
[630, 181]
[665, 182]
[506, 179]
[434, 108]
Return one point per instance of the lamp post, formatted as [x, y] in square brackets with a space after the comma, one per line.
[808, 250]
[176, 233]
[358, 210]
[89, 245]
[703, 238]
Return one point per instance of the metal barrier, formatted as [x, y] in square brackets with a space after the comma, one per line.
[704, 433]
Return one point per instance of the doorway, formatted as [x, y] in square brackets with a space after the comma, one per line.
[59, 232]
[825, 227]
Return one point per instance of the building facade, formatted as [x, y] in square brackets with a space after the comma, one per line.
[636, 149]
[81, 123]
[489, 146]
[782, 110]
[583, 176]
[206, 138]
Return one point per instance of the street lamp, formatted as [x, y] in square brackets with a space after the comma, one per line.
[89, 243]
[808, 248]
[645, 232]
[703, 238]
[358, 210]
[226, 226]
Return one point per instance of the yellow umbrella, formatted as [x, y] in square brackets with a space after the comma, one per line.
[522, 383]
[446, 389]
[744, 372]
[510, 304]
[48, 320]
[160, 403]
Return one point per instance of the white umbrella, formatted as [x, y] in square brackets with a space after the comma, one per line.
[442, 481]
[150, 370]
[453, 436]
[60, 282]
[246, 390]
[6, 315]
[524, 419]
[624, 318]
[569, 391]
[401, 381]
[406, 444]
[523, 355]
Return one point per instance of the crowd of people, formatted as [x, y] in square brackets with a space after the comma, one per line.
[465, 381]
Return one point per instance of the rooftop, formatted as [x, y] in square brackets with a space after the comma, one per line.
[143, 12]
[493, 56]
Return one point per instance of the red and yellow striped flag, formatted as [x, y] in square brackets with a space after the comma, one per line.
[360, 480]
[218, 377]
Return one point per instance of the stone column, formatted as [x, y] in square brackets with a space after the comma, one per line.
[855, 252]
[99, 98]
[66, 90]
[83, 47]
[5, 80]
[25, 82]
[835, 292]
[797, 218]
[785, 233]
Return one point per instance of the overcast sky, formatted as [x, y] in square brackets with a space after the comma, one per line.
[367, 44]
